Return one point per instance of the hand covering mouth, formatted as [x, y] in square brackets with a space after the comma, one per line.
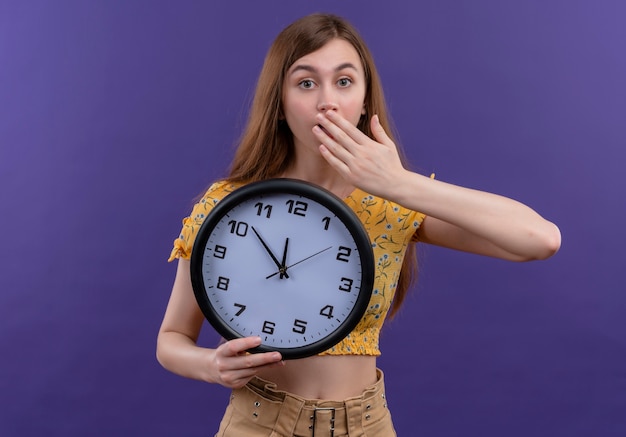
[325, 131]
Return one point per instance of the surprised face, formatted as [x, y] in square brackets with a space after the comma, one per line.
[329, 79]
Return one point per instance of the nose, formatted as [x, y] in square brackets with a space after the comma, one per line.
[327, 101]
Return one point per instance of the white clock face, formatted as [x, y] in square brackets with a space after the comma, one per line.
[283, 267]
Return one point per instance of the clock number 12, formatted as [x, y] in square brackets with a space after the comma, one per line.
[297, 207]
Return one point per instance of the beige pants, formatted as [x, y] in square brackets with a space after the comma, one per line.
[259, 410]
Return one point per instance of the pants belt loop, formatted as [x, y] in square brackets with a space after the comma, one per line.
[288, 415]
[354, 414]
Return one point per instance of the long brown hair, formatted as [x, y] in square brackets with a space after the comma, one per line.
[266, 147]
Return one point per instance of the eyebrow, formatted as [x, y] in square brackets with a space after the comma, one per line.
[312, 69]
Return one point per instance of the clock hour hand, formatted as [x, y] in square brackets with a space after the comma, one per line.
[281, 268]
[298, 262]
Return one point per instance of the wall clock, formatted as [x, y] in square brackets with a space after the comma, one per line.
[285, 260]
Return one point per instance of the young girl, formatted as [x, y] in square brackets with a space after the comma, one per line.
[319, 115]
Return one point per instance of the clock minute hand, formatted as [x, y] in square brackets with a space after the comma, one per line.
[281, 268]
[283, 264]
[298, 262]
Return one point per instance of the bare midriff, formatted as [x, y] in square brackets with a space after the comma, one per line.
[329, 377]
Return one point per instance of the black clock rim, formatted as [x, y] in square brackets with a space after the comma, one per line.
[312, 192]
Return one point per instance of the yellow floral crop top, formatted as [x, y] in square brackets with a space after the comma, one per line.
[390, 227]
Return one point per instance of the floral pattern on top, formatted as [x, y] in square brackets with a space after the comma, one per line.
[391, 229]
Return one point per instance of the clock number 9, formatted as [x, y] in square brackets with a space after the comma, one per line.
[219, 251]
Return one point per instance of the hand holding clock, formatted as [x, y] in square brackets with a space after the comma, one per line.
[232, 367]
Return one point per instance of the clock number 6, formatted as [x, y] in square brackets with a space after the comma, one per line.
[268, 327]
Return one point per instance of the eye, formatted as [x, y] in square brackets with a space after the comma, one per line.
[306, 84]
[344, 82]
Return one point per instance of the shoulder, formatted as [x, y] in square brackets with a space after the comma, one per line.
[216, 192]
[191, 224]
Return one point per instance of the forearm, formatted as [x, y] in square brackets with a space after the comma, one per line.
[511, 226]
[179, 354]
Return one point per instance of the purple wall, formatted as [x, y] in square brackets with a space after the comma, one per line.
[114, 115]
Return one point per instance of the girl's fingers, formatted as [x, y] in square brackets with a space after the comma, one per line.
[235, 367]
[335, 162]
[235, 352]
[379, 132]
[236, 347]
[341, 129]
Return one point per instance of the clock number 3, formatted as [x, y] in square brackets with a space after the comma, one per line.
[346, 285]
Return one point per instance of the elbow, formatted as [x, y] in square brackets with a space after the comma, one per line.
[548, 243]
[160, 354]
[551, 241]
